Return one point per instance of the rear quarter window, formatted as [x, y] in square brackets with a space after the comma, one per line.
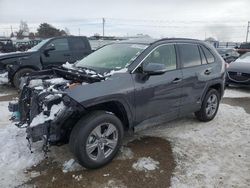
[209, 56]
[189, 54]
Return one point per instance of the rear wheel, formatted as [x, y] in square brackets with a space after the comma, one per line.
[96, 139]
[19, 74]
[209, 106]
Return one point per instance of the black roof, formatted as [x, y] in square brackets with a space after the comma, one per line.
[149, 41]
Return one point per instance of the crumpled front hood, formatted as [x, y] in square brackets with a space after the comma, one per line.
[16, 55]
[239, 67]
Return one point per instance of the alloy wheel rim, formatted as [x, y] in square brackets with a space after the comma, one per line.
[211, 105]
[102, 141]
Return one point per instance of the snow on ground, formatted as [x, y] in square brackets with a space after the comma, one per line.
[212, 154]
[4, 78]
[236, 93]
[15, 156]
[146, 164]
[71, 165]
[125, 153]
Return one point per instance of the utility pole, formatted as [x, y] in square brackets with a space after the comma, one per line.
[248, 26]
[79, 31]
[103, 24]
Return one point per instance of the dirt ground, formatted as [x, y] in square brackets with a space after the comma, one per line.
[118, 173]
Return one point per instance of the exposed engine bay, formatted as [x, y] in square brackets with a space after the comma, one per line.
[44, 106]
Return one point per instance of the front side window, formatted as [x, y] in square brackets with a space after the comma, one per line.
[60, 44]
[190, 55]
[165, 55]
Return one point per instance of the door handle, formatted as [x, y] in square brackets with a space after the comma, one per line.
[66, 55]
[207, 72]
[176, 80]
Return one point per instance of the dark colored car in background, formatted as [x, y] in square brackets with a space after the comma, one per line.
[6, 45]
[49, 53]
[117, 88]
[228, 54]
[238, 72]
[243, 48]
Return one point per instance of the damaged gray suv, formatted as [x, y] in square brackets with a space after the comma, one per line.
[92, 103]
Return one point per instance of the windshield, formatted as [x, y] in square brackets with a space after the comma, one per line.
[39, 45]
[244, 58]
[112, 57]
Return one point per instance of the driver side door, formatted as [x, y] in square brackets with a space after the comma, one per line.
[158, 95]
[59, 56]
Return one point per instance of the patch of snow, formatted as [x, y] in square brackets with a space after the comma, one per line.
[78, 178]
[70, 166]
[56, 80]
[35, 83]
[236, 93]
[212, 154]
[39, 88]
[41, 118]
[4, 78]
[34, 174]
[113, 183]
[87, 71]
[15, 156]
[115, 71]
[68, 65]
[50, 96]
[146, 164]
[125, 153]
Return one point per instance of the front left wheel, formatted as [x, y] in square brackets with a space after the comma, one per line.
[19, 74]
[96, 139]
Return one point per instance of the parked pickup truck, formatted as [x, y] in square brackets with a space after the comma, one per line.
[49, 53]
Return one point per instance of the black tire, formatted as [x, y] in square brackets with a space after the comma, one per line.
[20, 73]
[82, 132]
[202, 114]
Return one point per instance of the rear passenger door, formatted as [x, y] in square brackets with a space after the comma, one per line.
[196, 72]
[79, 48]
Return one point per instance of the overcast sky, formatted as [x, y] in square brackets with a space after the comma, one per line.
[222, 19]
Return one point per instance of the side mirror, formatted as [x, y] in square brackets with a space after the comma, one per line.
[154, 69]
[49, 48]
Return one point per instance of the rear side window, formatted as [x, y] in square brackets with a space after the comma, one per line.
[77, 44]
[190, 55]
[208, 54]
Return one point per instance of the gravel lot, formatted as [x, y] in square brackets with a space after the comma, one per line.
[181, 153]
